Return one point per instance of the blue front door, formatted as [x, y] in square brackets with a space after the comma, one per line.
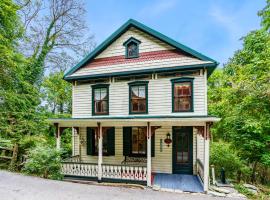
[182, 150]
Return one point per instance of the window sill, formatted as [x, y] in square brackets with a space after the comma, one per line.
[139, 113]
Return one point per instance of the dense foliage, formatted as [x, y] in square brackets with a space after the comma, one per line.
[240, 95]
[27, 97]
[44, 161]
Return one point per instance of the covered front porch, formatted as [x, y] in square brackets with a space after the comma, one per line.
[168, 160]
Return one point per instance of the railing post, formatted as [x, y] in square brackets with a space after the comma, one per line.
[100, 145]
[148, 154]
[206, 158]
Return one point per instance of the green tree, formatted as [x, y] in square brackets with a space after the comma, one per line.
[57, 93]
[240, 95]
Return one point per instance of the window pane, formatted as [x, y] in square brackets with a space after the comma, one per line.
[138, 140]
[134, 92]
[97, 94]
[182, 89]
[103, 93]
[142, 105]
[135, 105]
[142, 91]
[104, 106]
[182, 142]
[132, 49]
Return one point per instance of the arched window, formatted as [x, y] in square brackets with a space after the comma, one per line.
[132, 48]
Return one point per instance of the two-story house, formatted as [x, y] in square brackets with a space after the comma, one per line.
[139, 112]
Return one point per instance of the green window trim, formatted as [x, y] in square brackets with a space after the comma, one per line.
[97, 86]
[138, 83]
[137, 42]
[181, 80]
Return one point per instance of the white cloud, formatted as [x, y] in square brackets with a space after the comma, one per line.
[157, 8]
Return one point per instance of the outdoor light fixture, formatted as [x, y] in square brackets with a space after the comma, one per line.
[168, 139]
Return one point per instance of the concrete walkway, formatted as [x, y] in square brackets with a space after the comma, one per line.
[19, 187]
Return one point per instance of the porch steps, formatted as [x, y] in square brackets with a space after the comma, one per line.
[183, 182]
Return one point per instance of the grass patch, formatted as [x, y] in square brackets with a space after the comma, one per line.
[263, 194]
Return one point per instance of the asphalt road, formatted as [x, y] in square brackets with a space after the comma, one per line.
[19, 187]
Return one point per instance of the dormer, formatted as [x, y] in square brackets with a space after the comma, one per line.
[132, 47]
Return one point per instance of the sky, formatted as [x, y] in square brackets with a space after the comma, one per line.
[212, 27]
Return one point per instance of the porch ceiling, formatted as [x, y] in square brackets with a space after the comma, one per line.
[135, 121]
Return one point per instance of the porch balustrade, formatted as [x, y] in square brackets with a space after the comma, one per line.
[121, 172]
[200, 169]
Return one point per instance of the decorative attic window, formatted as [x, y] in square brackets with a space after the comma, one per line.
[132, 48]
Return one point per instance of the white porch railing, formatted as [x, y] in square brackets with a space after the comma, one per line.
[200, 169]
[79, 169]
[121, 172]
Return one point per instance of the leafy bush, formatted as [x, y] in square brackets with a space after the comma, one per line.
[224, 156]
[44, 161]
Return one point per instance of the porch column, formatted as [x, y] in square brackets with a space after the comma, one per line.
[100, 136]
[73, 141]
[206, 158]
[148, 154]
[58, 136]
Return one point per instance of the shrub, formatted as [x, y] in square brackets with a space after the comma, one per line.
[224, 156]
[44, 161]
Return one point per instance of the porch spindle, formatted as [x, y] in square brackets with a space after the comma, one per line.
[100, 136]
[148, 154]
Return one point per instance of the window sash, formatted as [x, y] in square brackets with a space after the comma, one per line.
[182, 98]
[138, 98]
[101, 102]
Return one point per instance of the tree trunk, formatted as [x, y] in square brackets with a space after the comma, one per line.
[61, 108]
[253, 175]
[239, 174]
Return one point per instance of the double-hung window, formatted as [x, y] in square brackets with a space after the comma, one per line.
[182, 95]
[139, 140]
[138, 97]
[100, 99]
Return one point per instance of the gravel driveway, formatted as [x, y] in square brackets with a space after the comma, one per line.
[19, 187]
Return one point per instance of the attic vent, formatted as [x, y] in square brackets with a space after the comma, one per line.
[132, 48]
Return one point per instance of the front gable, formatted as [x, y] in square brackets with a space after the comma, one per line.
[147, 44]
[156, 52]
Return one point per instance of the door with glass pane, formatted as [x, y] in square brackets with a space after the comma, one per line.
[182, 150]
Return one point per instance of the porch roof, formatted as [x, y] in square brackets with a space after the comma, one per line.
[140, 120]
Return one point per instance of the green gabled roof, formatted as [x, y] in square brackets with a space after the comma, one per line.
[146, 29]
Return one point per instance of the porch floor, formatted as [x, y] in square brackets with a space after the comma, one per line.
[187, 183]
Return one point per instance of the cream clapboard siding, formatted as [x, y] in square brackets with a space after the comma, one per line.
[159, 98]
[200, 143]
[161, 163]
[148, 43]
